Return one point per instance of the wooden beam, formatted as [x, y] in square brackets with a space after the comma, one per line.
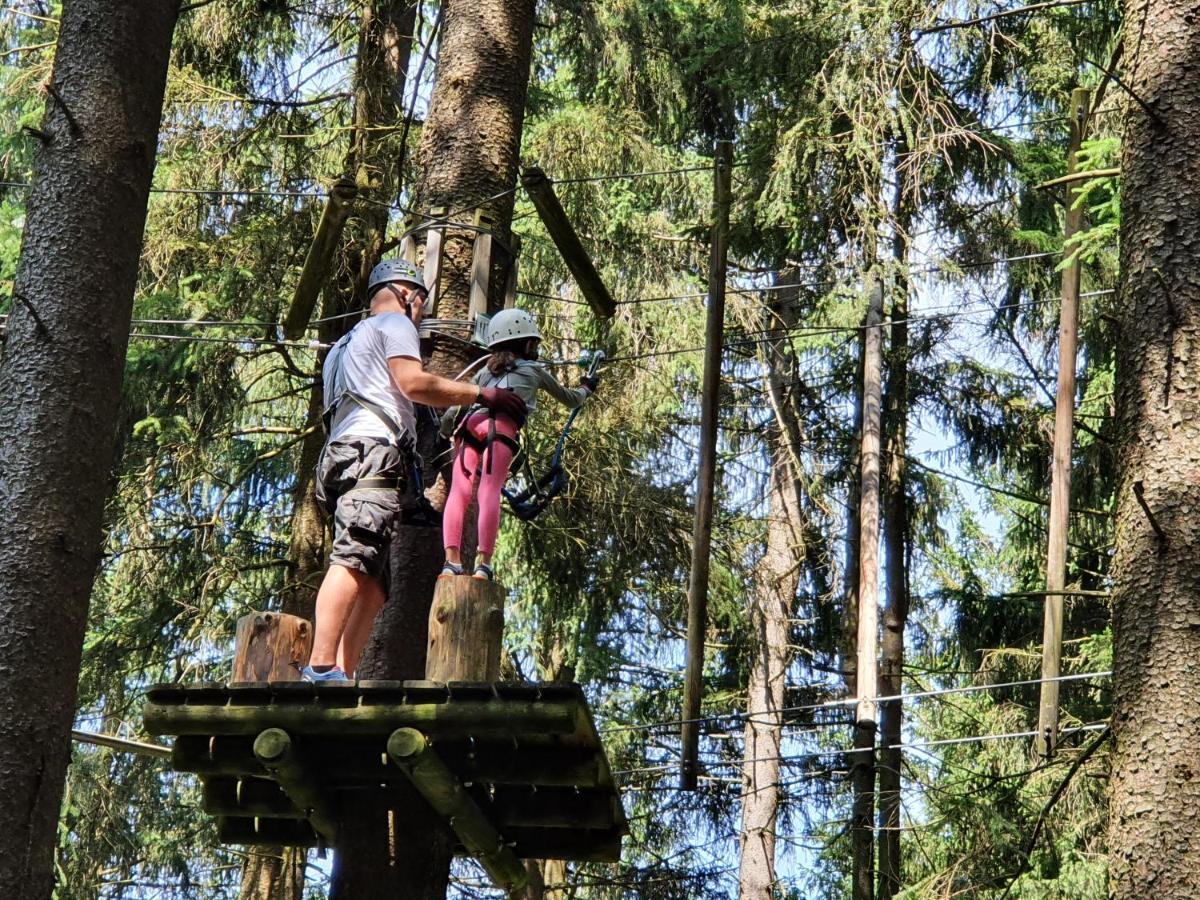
[541, 191]
[409, 750]
[714, 343]
[248, 797]
[1064, 441]
[460, 718]
[434, 238]
[481, 265]
[259, 832]
[276, 750]
[319, 261]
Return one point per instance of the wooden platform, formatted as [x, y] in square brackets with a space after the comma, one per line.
[527, 756]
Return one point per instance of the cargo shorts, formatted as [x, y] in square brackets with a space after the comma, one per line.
[364, 520]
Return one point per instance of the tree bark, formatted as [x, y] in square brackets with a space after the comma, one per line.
[469, 158]
[1154, 834]
[60, 378]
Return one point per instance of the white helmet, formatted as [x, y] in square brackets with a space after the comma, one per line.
[395, 270]
[511, 325]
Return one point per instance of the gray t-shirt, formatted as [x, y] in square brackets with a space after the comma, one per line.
[359, 363]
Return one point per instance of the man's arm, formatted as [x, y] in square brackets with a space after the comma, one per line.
[424, 387]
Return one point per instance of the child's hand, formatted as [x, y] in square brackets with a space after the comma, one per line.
[591, 382]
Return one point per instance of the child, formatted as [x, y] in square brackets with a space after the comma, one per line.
[485, 444]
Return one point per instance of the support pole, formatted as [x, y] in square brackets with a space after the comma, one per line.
[1060, 478]
[481, 265]
[409, 750]
[562, 232]
[319, 261]
[702, 529]
[866, 714]
[466, 627]
[276, 751]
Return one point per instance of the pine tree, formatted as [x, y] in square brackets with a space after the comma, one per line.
[61, 377]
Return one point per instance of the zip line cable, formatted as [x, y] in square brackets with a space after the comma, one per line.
[117, 743]
[851, 701]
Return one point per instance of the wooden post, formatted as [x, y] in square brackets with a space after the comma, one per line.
[466, 627]
[714, 347]
[433, 260]
[319, 261]
[1060, 478]
[481, 265]
[276, 751]
[866, 714]
[514, 267]
[409, 750]
[562, 232]
[271, 647]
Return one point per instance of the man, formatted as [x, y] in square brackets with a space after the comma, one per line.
[372, 377]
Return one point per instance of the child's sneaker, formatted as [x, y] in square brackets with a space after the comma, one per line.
[307, 673]
[484, 572]
[450, 569]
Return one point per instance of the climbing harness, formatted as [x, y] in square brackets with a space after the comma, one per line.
[528, 503]
[402, 438]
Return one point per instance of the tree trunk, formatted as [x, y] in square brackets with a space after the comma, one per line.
[384, 46]
[469, 155]
[770, 605]
[895, 548]
[60, 378]
[776, 581]
[866, 715]
[1154, 833]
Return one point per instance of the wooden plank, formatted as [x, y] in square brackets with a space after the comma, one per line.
[491, 718]
[248, 797]
[697, 623]
[466, 621]
[434, 239]
[514, 271]
[553, 808]
[319, 261]
[562, 843]
[271, 646]
[1060, 473]
[259, 832]
[562, 232]
[481, 265]
[410, 751]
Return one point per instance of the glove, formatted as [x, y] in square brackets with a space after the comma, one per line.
[591, 382]
[504, 401]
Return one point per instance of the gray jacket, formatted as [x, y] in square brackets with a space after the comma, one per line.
[527, 378]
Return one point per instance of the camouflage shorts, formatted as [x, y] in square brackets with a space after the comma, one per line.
[363, 519]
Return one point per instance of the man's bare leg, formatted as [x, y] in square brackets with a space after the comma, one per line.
[358, 627]
[335, 602]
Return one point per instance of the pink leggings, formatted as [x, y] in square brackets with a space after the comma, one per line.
[463, 484]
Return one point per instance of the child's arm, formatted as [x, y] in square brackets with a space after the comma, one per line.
[568, 397]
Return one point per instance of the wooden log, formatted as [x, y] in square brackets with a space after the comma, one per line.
[466, 623]
[259, 832]
[433, 261]
[271, 647]
[514, 271]
[276, 750]
[248, 797]
[409, 750]
[553, 808]
[554, 217]
[462, 718]
[714, 342]
[319, 261]
[580, 845]
[1058, 525]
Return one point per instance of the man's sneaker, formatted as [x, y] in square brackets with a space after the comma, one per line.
[484, 571]
[307, 673]
[450, 569]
